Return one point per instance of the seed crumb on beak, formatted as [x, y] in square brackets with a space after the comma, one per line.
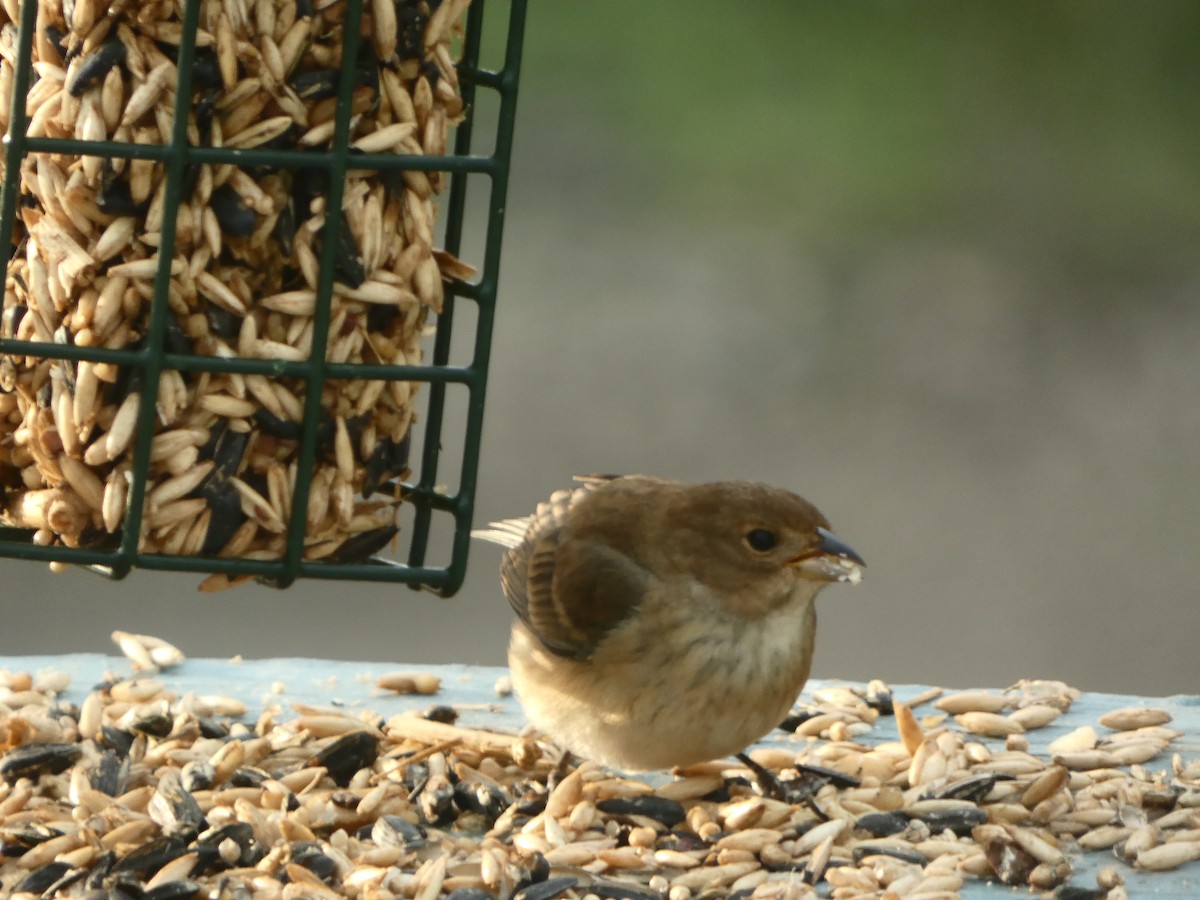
[831, 559]
[824, 567]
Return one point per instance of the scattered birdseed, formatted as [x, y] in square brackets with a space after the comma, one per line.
[140, 790]
[243, 275]
[147, 652]
[409, 682]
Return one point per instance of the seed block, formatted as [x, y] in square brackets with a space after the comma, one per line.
[244, 266]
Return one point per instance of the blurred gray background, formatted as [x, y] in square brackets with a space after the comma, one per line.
[932, 265]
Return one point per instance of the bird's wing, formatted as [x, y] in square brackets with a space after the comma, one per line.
[570, 591]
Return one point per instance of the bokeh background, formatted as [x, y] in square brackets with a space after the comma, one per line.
[932, 265]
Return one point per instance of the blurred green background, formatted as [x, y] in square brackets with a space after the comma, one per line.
[932, 265]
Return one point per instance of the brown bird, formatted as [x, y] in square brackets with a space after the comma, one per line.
[662, 624]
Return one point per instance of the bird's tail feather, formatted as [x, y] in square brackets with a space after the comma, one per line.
[506, 532]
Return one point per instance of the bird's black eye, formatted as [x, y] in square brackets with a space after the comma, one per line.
[761, 539]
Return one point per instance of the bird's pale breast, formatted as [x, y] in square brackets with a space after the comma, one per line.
[680, 690]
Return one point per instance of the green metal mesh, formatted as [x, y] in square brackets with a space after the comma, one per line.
[153, 358]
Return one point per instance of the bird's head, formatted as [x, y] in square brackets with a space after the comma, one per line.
[762, 544]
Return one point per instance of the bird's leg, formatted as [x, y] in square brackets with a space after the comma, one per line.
[560, 771]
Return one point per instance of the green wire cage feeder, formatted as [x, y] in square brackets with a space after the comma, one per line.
[201, 368]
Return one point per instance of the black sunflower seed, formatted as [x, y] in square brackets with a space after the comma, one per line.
[881, 824]
[315, 84]
[960, 821]
[111, 775]
[182, 889]
[548, 889]
[152, 856]
[32, 760]
[669, 812]
[345, 756]
[94, 66]
[861, 851]
[40, 879]
[362, 546]
[310, 856]
[394, 831]
[610, 890]
[232, 214]
[115, 199]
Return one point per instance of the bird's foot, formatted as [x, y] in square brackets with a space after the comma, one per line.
[796, 791]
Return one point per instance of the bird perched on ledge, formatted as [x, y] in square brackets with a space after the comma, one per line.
[662, 624]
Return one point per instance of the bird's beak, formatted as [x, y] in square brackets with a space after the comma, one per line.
[830, 560]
